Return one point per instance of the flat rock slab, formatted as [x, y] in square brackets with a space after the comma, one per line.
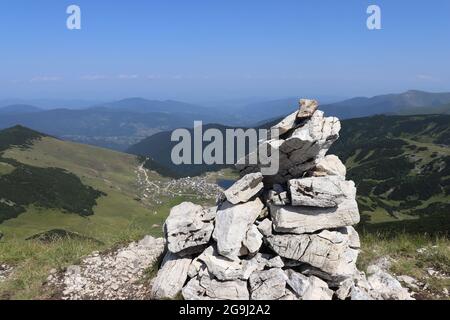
[245, 188]
[331, 165]
[322, 192]
[328, 251]
[268, 285]
[205, 288]
[188, 227]
[171, 277]
[299, 220]
[232, 224]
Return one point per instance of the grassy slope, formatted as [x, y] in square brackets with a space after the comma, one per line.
[107, 171]
[118, 216]
[401, 167]
[412, 255]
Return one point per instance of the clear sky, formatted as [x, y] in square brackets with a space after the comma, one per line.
[218, 49]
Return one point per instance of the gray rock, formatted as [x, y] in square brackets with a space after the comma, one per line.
[194, 291]
[268, 284]
[387, 286]
[279, 198]
[317, 290]
[205, 288]
[195, 267]
[171, 277]
[298, 282]
[287, 123]
[245, 188]
[409, 281]
[225, 290]
[253, 240]
[188, 228]
[360, 294]
[299, 220]
[328, 251]
[225, 269]
[265, 227]
[322, 192]
[232, 224]
[344, 289]
[331, 165]
[307, 108]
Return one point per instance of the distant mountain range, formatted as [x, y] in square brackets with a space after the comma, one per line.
[16, 109]
[120, 124]
[140, 105]
[410, 102]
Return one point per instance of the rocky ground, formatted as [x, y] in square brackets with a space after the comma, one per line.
[5, 271]
[115, 275]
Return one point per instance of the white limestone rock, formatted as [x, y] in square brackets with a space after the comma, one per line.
[317, 289]
[328, 251]
[298, 282]
[299, 220]
[188, 226]
[205, 288]
[225, 290]
[286, 124]
[265, 227]
[307, 108]
[386, 285]
[331, 165]
[225, 269]
[194, 291]
[171, 277]
[232, 224]
[278, 196]
[245, 188]
[253, 240]
[268, 285]
[322, 192]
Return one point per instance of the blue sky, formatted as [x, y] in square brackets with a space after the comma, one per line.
[223, 49]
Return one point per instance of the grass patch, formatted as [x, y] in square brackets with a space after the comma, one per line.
[412, 255]
[32, 262]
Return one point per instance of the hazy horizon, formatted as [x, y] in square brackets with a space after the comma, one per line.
[210, 51]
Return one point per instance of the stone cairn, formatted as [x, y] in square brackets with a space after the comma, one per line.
[287, 236]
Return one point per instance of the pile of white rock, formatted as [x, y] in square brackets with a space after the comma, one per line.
[287, 236]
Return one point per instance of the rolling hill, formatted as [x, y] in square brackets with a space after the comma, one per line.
[50, 184]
